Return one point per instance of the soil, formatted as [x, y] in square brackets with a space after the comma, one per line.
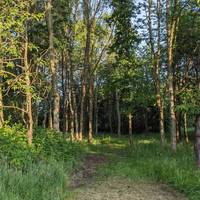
[117, 188]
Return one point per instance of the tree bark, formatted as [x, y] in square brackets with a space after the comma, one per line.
[96, 110]
[186, 128]
[53, 68]
[1, 101]
[28, 93]
[172, 24]
[83, 94]
[1, 92]
[156, 57]
[71, 116]
[118, 114]
[197, 143]
[91, 101]
[130, 128]
[110, 113]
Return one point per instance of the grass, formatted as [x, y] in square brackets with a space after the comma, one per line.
[146, 161]
[42, 171]
[39, 182]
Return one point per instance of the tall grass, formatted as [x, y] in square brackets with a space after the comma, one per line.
[39, 172]
[38, 182]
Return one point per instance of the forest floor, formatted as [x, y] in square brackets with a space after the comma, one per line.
[89, 183]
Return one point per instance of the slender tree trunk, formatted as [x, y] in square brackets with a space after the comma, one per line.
[118, 114]
[110, 114]
[71, 115]
[91, 91]
[156, 57]
[197, 143]
[28, 92]
[66, 116]
[50, 117]
[130, 128]
[76, 117]
[172, 23]
[186, 128]
[96, 110]
[161, 119]
[1, 92]
[44, 120]
[82, 108]
[54, 93]
[1, 102]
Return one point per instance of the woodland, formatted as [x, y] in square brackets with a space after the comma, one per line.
[96, 93]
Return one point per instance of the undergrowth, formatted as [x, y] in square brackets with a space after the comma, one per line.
[39, 172]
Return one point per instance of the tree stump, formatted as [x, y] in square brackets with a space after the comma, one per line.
[197, 142]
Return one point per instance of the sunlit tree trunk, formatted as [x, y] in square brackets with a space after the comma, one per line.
[130, 128]
[91, 101]
[88, 75]
[1, 92]
[172, 24]
[28, 92]
[1, 100]
[53, 68]
[156, 58]
[71, 115]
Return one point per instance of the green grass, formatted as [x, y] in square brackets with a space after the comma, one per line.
[41, 172]
[39, 182]
[146, 160]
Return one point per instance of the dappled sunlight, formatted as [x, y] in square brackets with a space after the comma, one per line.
[146, 141]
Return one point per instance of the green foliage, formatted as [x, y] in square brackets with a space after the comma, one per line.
[46, 145]
[39, 172]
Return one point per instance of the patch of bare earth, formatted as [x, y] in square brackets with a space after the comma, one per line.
[84, 175]
[115, 188]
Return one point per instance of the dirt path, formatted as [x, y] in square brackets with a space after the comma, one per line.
[116, 188]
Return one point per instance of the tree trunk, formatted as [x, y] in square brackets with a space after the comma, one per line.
[172, 23]
[91, 91]
[1, 103]
[44, 120]
[118, 114]
[130, 128]
[53, 68]
[110, 113]
[186, 128]
[161, 119]
[50, 118]
[28, 93]
[71, 115]
[156, 57]
[1, 92]
[66, 116]
[83, 94]
[96, 110]
[197, 143]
